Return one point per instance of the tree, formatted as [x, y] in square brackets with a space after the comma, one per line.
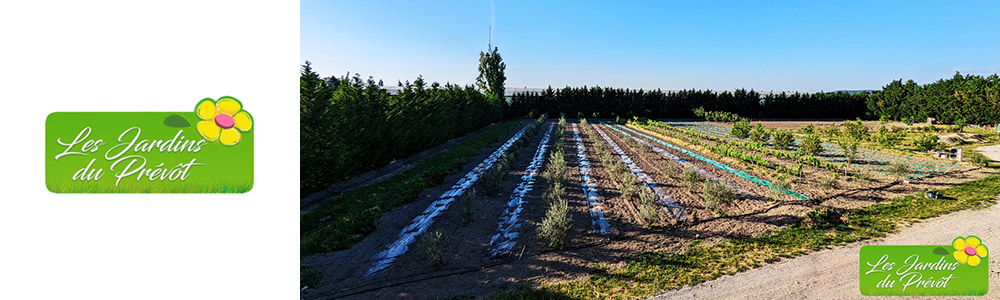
[741, 129]
[491, 74]
[783, 139]
[811, 145]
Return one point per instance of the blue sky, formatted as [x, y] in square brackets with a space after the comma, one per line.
[722, 45]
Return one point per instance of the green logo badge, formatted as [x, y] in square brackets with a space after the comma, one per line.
[959, 269]
[207, 150]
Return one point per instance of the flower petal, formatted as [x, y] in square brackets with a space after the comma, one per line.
[206, 109]
[981, 251]
[974, 260]
[243, 120]
[972, 241]
[208, 130]
[229, 105]
[958, 243]
[229, 137]
[960, 256]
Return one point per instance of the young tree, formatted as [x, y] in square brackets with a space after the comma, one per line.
[811, 145]
[741, 129]
[491, 74]
[783, 139]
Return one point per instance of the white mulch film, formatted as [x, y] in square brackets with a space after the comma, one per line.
[685, 163]
[671, 206]
[504, 241]
[424, 220]
[589, 187]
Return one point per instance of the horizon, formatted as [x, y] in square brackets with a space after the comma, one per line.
[803, 47]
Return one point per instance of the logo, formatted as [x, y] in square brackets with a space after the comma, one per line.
[959, 269]
[207, 150]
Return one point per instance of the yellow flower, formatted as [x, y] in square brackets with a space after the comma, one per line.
[969, 249]
[222, 120]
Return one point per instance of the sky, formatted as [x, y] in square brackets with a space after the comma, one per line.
[805, 46]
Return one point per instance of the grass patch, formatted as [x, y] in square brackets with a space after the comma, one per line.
[344, 220]
[651, 272]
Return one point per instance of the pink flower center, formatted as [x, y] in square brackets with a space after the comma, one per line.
[970, 251]
[224, 121]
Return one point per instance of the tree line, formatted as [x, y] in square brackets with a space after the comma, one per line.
[971, 99]
[606, 102]
[349, 125]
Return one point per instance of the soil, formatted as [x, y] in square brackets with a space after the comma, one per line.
[468, 270]
[833, 273]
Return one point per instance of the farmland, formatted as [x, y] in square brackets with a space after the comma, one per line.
[566, 207]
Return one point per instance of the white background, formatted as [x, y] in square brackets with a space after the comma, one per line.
[148, 56]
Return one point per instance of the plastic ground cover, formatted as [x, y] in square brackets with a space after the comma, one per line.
[670, 205]
[599, 224]
[717, 164]
[504, 240]
[420, 223]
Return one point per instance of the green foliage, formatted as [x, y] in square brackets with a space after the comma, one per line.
[960, 124]
[888, 139]
[741, 129]
[717, 195]
[827, 182]
[856, 130]
[345, 219]
[349, 126]
[781, 184]
[760, 134]
[969, 97]
[647, 207]
[862, 174]
[651, 272]
[690, 178]
[491, 75]
[715, 116]
[809, 129]
[898, 168]
[556, 222]
[783, 139]
[465, 206]
[978, 158]
[812, 145]
[431, 247]
[926, 142]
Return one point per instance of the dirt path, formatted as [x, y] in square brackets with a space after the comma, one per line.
[833, 274]
[308, 203]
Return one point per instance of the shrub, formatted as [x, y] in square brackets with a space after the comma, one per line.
[811, 145]
[690, 178]
[552, 232]
[782, 184]
[783, 139]
[863, 174]
[717, 195]
[668, 167]
[898, 168]
[580, 115]
[960, 124]
[888, 139]
[856, 130]
[647, 208]
[760, 134]
[741, 129]
[809, 129]
[926, 142]
[826, 218]
[493, 177]
[432, 246]
[828, 182]
[884, 119]
[465, 206]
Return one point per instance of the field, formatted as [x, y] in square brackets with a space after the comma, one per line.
[576, 208]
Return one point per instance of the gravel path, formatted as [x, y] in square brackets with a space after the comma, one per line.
[833, 273]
